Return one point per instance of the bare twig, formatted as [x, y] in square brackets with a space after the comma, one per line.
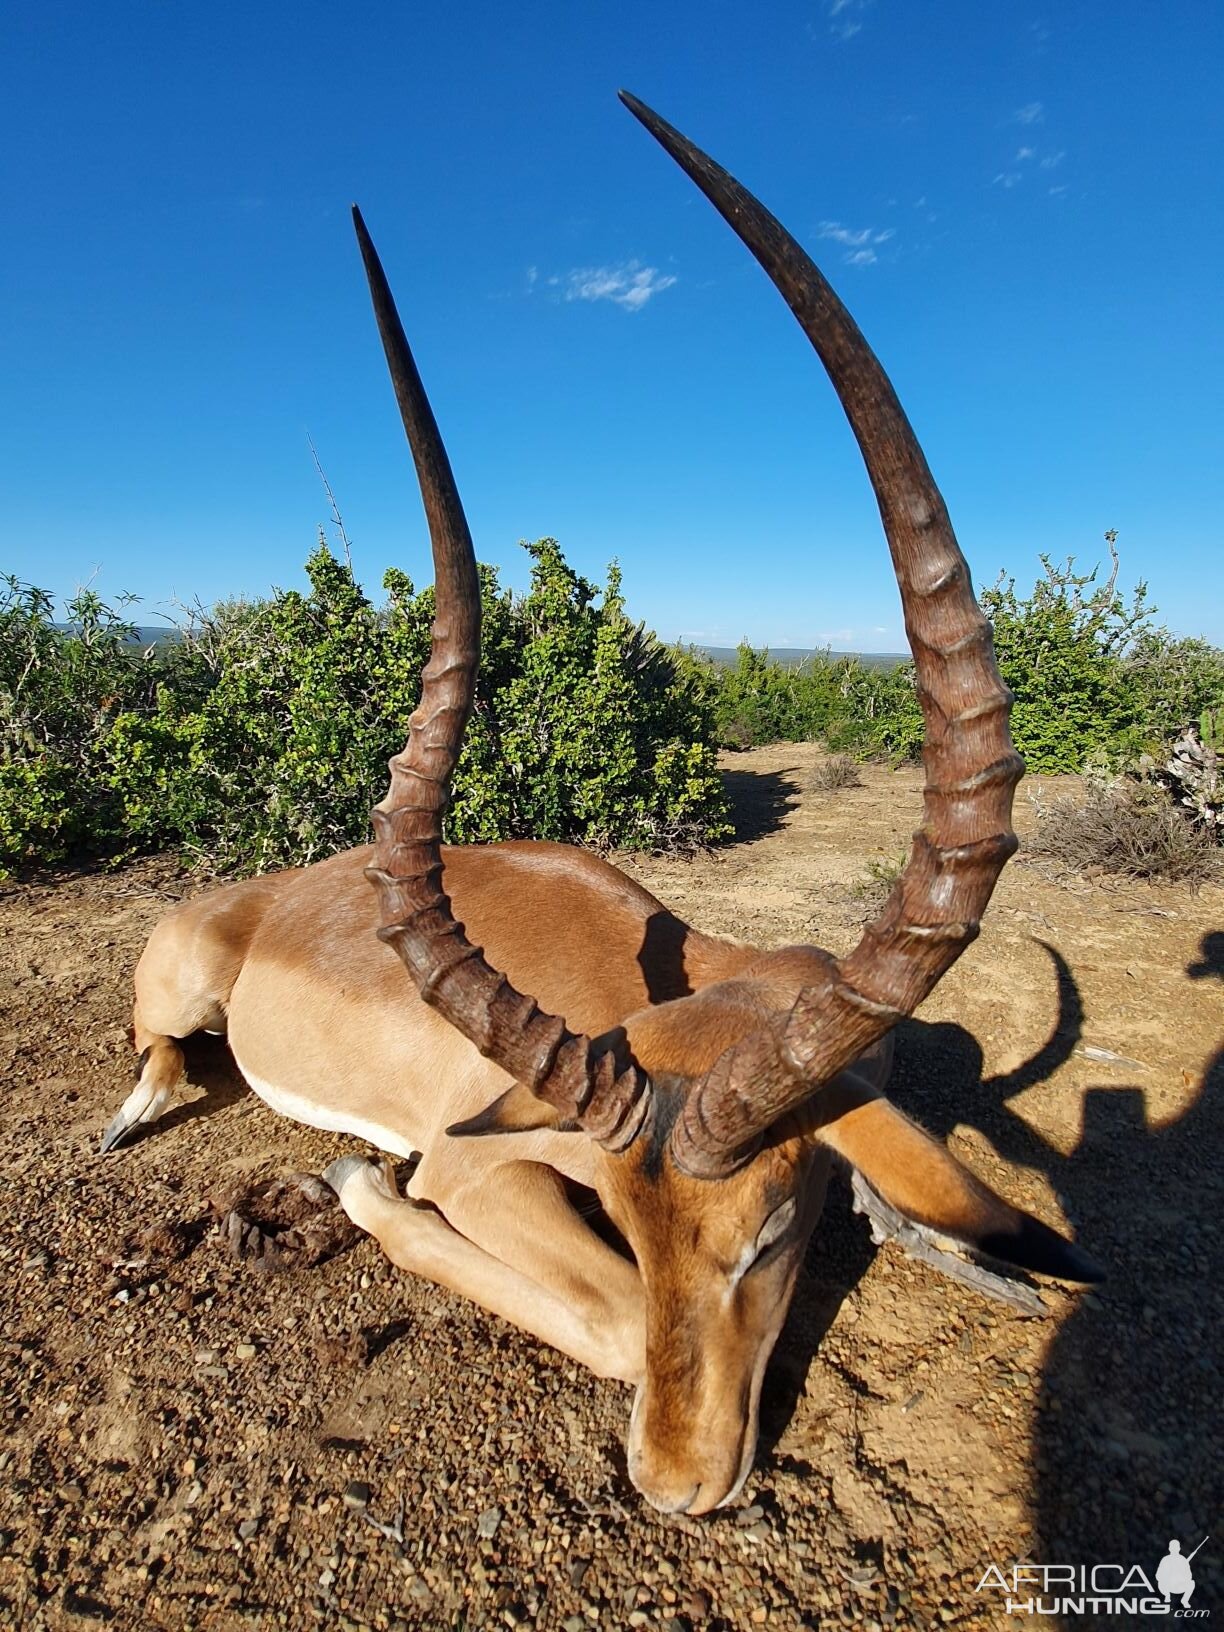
[390, 1532]
[921, 1243]
[337, 519]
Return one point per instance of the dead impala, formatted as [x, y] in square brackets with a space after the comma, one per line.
[700, 1087]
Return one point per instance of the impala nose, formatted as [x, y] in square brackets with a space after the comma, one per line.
[670, 1504]
[689, 1471]
[665, 1490]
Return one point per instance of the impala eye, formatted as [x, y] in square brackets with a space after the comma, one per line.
[775, 1230]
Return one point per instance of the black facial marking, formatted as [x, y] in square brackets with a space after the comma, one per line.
[666, 1101]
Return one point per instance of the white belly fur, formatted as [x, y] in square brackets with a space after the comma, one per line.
[330, 1117]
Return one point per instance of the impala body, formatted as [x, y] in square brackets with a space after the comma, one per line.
[698, 1086]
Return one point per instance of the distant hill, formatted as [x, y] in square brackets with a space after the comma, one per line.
[147, 634]
[793, 657]
[789, 657]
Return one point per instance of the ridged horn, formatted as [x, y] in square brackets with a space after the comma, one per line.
[600, 1087]
[972, 769]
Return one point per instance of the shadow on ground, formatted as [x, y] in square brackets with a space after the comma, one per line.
[1126, 1453]
[1129, 1428]
[1129, 1436]
[759, 800]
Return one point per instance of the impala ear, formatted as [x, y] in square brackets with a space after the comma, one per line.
[917, 1176]
[516, 1111]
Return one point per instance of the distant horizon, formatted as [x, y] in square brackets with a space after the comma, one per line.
[788, 656]
[785, 647]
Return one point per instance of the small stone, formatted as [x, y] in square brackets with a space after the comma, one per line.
[749, 1515]
[697, 1603]
[575, 1623]
[487, 1523]
[247, 1529]
[246, 1351]
[357, 1494]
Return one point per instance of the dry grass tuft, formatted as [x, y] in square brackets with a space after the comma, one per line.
[875, 886]
[1129, 829]
[837, 772]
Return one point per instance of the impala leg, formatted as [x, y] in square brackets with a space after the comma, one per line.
[158, 1072]
[597, 1320]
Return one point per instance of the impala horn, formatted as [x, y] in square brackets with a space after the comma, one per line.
[597, 1085]
[972, 769]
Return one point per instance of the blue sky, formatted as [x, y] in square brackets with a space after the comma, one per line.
[1020, 203]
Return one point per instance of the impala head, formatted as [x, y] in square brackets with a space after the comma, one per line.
[716, 1114]
[718, 1264]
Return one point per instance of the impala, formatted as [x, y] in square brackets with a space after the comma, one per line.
[698, 1086]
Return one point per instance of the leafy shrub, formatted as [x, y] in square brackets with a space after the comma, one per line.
[59, 691]
[856, 710]
[1095, 679]
[260, 737]
[1178, 682]
[1062, 650]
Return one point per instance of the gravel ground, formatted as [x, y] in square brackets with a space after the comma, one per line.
[190, 1441]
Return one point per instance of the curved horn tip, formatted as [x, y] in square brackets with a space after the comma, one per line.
[647, 116]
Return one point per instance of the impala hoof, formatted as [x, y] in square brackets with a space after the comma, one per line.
[116, 1131]
[143, 1105]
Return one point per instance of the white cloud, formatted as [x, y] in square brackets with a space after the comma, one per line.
[629, 285]
[1048, 160]
[1032, 113]
[846, 17]
[859, 242]
[844, 235]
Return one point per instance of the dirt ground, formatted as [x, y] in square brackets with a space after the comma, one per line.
[189, 1443]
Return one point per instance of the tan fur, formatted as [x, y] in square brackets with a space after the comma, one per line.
[323, 1022]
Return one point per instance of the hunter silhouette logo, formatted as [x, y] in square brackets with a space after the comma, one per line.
[1099, 1589]
[1173, 1575]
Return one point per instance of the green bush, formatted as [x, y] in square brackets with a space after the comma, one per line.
[854, 709]
[1096, 681]
[1063, 651]
[259, 737]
